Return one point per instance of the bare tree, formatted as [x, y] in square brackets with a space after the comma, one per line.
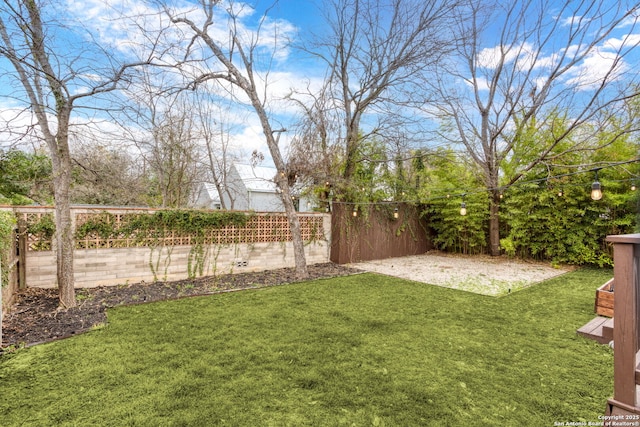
[241, 61]
[374, 51]
[107, 175]
[54, 81]
[172, 156]
[162, 124]
[545, 61]
[215, 124]
[315, 151]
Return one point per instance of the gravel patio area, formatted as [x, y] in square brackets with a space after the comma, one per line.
[481, 274]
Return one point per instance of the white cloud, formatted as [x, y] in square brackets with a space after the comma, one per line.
[631, 21]
[481, 83]
[490, 57]
[602, 63]
[522, 57]
[596, 67]
[118, 23]
[573, 21]
[16, 126]
[628, 41]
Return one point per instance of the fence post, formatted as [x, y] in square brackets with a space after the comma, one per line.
[22, 255]
[626, 251]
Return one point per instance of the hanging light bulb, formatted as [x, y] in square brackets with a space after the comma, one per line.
[596, 188]
[395, 213]
[463, 208]
[355, 211]
[560, 193]
[633, 186]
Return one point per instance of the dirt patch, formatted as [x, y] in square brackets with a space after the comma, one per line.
[35, 316]
[480, 274]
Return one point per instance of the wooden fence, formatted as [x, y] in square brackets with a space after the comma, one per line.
[370, 232]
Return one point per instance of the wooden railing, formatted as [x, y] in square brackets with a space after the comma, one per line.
[626, 274]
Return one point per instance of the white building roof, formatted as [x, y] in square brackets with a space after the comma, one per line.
[258, 178]
[212, 192]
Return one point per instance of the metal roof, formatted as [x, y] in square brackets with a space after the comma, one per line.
[258, 178]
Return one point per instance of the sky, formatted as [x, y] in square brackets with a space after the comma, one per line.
[101, 19]
[297, 18]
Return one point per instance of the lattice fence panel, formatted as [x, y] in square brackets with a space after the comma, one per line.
[262, 228]
[34, 242]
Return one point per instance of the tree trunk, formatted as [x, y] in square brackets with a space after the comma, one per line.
[64, 239]
[296, 234]
[494, 223]
[283, 184]
[351, 151]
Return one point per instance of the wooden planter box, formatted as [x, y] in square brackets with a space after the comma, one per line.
[604, 299]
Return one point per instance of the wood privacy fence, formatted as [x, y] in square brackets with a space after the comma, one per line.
[264, 242]
[377, 232]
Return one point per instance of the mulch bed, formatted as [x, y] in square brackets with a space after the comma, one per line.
[35, 317]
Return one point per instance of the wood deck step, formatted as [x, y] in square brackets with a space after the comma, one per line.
[599, 329]
[607, 330]
[637, 375]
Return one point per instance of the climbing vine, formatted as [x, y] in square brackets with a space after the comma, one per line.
[7, 225]
[156, 226]
[151, 230]
[43, 230]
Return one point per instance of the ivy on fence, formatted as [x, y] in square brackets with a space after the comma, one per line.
[170, 228]
[7, 226]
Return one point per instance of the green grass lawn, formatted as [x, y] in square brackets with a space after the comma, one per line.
[360, 350]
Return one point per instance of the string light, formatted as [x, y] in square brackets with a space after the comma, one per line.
[596, 188]
[633, 186]
[395, 213]
[463, 206]
[355, 211]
